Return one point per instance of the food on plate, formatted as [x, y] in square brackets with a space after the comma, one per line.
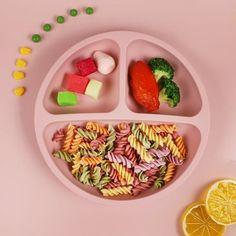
[18, 75]
[221, 201]
[161, 68]
[76, 83]
[19, 91]
[73, 12]
[86, 66]
[93, 88]
[65, 98]
[169, 92]
[195, 221]
[105, 63]
[143, 86]
[126, 158]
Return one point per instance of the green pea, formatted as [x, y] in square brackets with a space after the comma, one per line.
[89, 10]
[47, 27]
[73, 12]
[36, 38]
[60, 19]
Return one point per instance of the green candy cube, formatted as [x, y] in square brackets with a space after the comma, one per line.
[66, 99]
[93, 88]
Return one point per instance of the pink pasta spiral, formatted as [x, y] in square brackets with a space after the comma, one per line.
[94, 144]
[160, 152]
[131, 154]
[147, 166]
[175, 160]
[144, 185]
[119, 159]
[58, 135]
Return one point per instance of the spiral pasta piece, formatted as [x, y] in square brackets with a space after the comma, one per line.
[96, 175]
[149, 131]
[91, 160]
[123, 173]
[68, 137]
[76, 163]
[98, 142]
[110, 139]
[172, 147]
[119, 159]
[140, 136]
[59, 135]
[103, 182]
[83, 133]
[170, 172]
[75, 144]
[167, 128]
[63, 155]
[175, 160]
[147, 166]
[84, 145]
[87, 152]
[144, 154]
[130, 153]
[116, 191]
[85, 177]
[96, 127]
[179, 141]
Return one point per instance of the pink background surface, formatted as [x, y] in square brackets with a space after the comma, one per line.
[32, 200]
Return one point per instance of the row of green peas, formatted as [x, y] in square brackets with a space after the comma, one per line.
[36, 38]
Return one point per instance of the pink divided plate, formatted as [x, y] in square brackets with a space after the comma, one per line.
[115, 104]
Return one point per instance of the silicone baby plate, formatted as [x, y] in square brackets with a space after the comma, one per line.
[116, 104]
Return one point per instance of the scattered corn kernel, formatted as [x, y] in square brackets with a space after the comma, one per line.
[21, 63]
[19, 91]
[18, 75]
[25, 51]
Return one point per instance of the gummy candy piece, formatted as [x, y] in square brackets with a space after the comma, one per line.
[19, 91]
[76, 83]
[21, 63]
[86, 67]
[94, 88]
[66, 98]
[18, 75]
[25, 51]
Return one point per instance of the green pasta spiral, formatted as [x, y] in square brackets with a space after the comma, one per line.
[63, 155]
[110, 139]
[142, 177]
[91, 135]
[85, 176]
[103, 182]
[85, 152]
[140, 136]
[96, 175]
[160, 180]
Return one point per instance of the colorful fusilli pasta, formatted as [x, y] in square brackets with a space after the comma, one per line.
[127, 158]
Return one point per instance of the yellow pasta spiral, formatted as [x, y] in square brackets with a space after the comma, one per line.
[68, 138]
[84, 145]
[179, 141]
[172, 147]
[123, 173]
[96, 127]
[168, 128]
[141, 150]
[76, 163]
[91, 160]
[116, 191]
[170, 172]
[150, 132]
[75, 144]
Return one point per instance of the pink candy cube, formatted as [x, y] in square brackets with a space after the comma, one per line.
[86, 67]
[76, 83]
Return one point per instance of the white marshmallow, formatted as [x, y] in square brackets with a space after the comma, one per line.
[105, 63]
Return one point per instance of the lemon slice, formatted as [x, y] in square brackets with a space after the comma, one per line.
[196, 222]
[221, 202]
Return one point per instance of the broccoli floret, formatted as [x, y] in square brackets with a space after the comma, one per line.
[169, 92]
[161, 68]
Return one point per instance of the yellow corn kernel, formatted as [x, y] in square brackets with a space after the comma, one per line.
[21, 63]
[25, 51]
[18, 75]
[19, 91]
